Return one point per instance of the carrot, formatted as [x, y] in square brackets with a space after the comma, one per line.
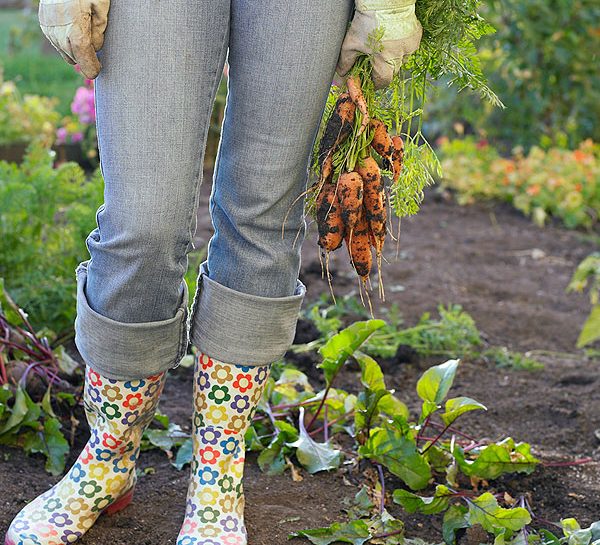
[359, 248]
[338, 127]
[382, 142]
[350, 196]
[329, 218]
[374, 200]
[358, 98]
[397, 157]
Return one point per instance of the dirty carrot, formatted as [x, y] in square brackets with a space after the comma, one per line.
[329, 219]
[359, 247]
[374, 200]
[338, 126]
[382, 142]
[350, 196]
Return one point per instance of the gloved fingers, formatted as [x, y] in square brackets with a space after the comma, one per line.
[350, 50]
[97, 38]
[383, 71]
[100, 10]
[346, 61]
[84, 53]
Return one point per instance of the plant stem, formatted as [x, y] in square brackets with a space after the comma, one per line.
[382, 481]
[312, 421]
[269, 412]
[422, 429]
[3, 374]
[453, 430]
[437, 438]
[580, 461]
[334, 421]
[388, 534]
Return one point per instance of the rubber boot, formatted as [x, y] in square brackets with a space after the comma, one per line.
[225, 400]
[103, 477]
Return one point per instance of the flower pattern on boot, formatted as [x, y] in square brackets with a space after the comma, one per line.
[225, 399]
[103, 476]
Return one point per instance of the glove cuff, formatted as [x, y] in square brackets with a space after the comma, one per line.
[381, 5]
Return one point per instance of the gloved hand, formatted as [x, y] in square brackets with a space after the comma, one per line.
[402, 37]
[76, 29]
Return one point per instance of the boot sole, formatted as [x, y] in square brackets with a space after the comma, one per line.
[112, 509]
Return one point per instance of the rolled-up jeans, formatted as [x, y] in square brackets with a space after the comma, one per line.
[162, 62]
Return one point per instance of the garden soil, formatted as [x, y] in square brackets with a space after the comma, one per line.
[510, 276]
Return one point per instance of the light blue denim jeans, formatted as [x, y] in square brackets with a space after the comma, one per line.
[162, 63]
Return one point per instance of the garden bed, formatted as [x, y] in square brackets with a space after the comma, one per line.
[510, 276]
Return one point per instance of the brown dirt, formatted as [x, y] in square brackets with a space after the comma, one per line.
[510, 276]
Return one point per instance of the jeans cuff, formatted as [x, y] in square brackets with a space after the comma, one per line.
[128, 351]
[241, 328]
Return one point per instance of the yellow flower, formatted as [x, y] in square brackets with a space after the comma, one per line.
[200, 401]
[115, 485]
[217, 414]
[8, 88]
[208, 497]
[237, 469]
[112, 393]
[98, 471]
[86, 521]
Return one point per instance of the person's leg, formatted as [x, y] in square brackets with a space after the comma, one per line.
[162, 62]
[282, 60]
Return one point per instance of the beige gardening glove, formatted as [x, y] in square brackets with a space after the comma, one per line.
[76, 29]
[402, 36]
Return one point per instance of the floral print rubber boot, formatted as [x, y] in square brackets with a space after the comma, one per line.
[103, 477]
[225, 399]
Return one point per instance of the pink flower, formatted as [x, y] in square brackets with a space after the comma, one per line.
[83, 105]
[77, 137]
[61, 135]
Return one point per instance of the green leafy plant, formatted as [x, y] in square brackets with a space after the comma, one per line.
[437, 468]
[446, 460]
[588, 272]
[540, 62]
[32, 426]
[32, 378]
[453, 333]
[45, 216]
[501, 356]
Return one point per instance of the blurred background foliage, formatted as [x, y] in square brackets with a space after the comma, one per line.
[543, 64]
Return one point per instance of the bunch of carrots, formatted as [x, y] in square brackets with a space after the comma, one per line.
[349, 201]
[362, 167]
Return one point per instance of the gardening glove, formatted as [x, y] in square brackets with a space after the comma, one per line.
[401, 37]
[76, 29]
